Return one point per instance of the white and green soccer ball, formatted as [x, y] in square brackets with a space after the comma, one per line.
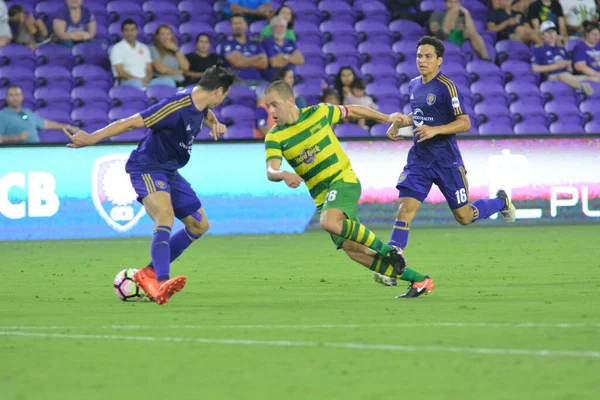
[125, 288]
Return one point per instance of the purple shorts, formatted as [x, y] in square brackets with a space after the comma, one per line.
[184, 199]
[415, 182]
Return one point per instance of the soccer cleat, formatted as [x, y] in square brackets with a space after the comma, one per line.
[397, 260]
[384, 280]
[509, 212]
[418, 288]
[168, 288]
[145, 278]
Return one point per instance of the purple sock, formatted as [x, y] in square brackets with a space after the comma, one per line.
[180, 241]
[485, 208]
[160, 251]
[399, 236]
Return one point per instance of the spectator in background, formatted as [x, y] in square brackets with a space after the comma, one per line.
[554, 60]
[408, 9]
[522, 6]
[343, 80]
[358, 96]
[252, 10]
[131, 60]
[332, 96]
[74, 23]
[245, 55]
[26, 30]
[548, 10]
[5, 33]
[287, 74]
[168, 62]
[577, 12]
[200, 60]
[586, 54]
[281, 51]
[288, 14]
[456, 25]
[263, 121]
[21, 125]
[510, 24]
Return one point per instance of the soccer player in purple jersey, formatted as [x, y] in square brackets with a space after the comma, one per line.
[172, 124]
[437, 116]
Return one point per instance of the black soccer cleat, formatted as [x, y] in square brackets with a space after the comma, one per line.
[509, 212]
[397, 260]
[418, 288]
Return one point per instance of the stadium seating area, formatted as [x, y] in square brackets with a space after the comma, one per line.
[503, 98]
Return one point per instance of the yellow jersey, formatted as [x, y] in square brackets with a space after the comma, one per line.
[312, 149]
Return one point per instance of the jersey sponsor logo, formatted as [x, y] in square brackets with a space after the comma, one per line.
[308, 155]
[412, 96]
[316, 128]
[228, 47]
[419, 118]
[430, 99]
[455, 102]
[188, 128]
[112, 194]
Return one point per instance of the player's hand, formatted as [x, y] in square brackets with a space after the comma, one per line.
[218, 129]
[78, 137]
[424, 132]
[399, 119]
[292, 180]
[392, 132]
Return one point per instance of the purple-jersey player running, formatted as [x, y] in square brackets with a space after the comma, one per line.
[172, 124]
[437, 116]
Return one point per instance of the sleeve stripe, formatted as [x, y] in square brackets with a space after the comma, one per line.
[343, 112]
[453, 93]
[166, 110]
[274, 157]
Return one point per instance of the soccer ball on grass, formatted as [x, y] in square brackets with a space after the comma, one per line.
[125, 288]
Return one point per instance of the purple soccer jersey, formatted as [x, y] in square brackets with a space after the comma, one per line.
[272, 49]
[86, 17]
[591, 55]
[250, 48]
[437, 160]
[548, 55]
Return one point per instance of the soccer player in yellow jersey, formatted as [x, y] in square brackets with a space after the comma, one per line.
[305, 139]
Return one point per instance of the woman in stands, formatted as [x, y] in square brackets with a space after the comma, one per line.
[287, 74]
[200, 60]
[586, 54]
[168, 62]
[343, 80]
[74, 23]
[288, 14]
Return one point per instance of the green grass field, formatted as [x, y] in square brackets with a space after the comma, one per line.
[514, 316]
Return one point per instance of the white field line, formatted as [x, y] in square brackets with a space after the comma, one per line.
[326, 326]
[288, 343]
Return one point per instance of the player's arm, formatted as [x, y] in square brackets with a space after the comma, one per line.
[361, 112]
[395, 127]
[461, 123]
[81, 138]
[276, 174]
[216, 128]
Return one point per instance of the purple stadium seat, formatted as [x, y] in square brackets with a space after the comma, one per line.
[17, 56]
[92, 76]
[308, 32]
[242, 95]
[339, 32]
[561, 109]
[156, 93]
[407, 109]
[407, 70]
[382, 91]
[305, 10]
[59, 98]
[406, 51]
[90, 97]
[529, 111]
[338, 10]
[379, 130]
[241, 131]
[454, 53]
[161, 10]
[525, 91]
[390, 106]
[309, 71]
[558, 90]
[53, 76]
[312, 51]
[530, 128]
[493, 111]
[90, 53]
[488, 37]
[121, 10]
[341, 52]
[102, 16]
[309, 90]
[197, 11]
[350, 130]
[596, 87]
[471, 54]
[129, 136]
[512, 50]
[222, 29]
[566, 127]
[17, 76]
[187, 48]
[54, 54]
[373, 11]
[89, 119]
[372, 71]
[236, 114]
[520, 71]
[486, 71]
[377, 51]
[476, 8]
[495, 128]
[484, 91]
[457, 73]
[592, 127]
[55, 114]
[590, 109]
[190, 30]
[432, 5]
[103, 37]
[52, 136]
[571, 44]
[374, 32]
[257, 26]
[133, 97]
[406, 30]
[47, 9]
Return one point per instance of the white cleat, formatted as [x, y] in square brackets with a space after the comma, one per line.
[509, 212]
[384, 280]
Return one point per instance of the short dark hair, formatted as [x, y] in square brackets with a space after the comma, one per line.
[330, 92]
[14, 10]
[280, 73]
[12, 87]
[200, 35]
[237, 16]
[432, 41]
[588, 26]
[358, 83]
[282, 88]
[128, 21]
[217, 77]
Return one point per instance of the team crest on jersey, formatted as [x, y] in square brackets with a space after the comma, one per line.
[112, 193]
[161, 184]
[430, 99]
[402, 178]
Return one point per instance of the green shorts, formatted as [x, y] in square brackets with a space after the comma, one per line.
[343, 196]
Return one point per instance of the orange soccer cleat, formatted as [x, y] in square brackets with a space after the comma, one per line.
[145, 278]
[166, 289]
[418, 288]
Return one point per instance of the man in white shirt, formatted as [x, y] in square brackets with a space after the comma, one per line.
[576, 13]
[130, 59]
